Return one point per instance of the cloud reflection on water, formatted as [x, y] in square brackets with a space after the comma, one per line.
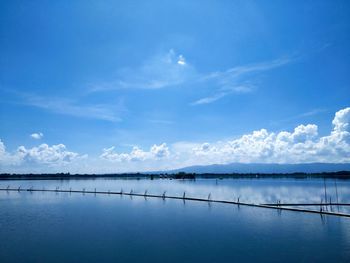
[248, 190]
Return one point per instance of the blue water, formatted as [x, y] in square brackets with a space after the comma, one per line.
[63, 227]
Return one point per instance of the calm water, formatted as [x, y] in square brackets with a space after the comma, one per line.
[63, 227]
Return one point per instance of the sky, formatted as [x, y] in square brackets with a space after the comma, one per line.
[129, 86]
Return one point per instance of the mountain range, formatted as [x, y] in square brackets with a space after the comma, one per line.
[265, 168]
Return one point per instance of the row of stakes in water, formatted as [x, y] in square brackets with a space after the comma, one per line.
[121, 192]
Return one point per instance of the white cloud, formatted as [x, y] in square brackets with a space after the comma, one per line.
[301, 145]
[41, 155]
[73, 108]
[45, 154]
[156, 152]
[5, 157]
[37, 135]
[241, 89]
[181, 60]
[239, 71]
[161, 71]
[160, 151]
[209, 99]
[169, 69]
[222, 93]
[302, 115]
[234, 80]
[341, 120]
[2, 150]
[310, 113]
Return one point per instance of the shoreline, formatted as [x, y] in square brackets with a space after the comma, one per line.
[344, 175]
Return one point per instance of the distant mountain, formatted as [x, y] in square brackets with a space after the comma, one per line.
[265, 168]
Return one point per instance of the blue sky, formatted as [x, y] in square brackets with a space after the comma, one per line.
[172, 83]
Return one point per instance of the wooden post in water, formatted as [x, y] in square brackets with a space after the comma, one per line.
[325, 189]
[330, 202]
[279, 206]
[336, 191]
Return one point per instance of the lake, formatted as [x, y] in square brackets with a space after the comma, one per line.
[64, 227]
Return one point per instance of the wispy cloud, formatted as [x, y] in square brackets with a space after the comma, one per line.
[303, 144]
[311, 113]
[171, 69]
[160, 71]
[209, 99]
[235, 72]
[302, 115]
[235, 80]
[222, 93]
[71, 107]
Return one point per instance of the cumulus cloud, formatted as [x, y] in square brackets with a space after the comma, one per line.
[302, 145]
[160, 151]
[42, 154]
[37, 135]
[5, 157]
[2, 149]
[136, 154]
[45, 154]
[341, 120]
[156, 152]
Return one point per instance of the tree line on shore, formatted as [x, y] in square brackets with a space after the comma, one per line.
[178, 175]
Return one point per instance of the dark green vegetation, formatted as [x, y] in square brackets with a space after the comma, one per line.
[179, 175]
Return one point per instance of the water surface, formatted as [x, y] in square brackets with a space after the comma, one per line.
[63, 227]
